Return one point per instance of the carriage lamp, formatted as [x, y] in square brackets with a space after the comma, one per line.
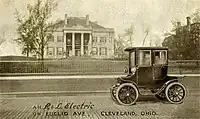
[125, 70]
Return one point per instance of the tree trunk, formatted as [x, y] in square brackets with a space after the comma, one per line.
[27, 52]
[42, 53]
[42, 49]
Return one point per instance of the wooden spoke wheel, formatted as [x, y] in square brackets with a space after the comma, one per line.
[175, 93]
[127, 94]
[113, 90]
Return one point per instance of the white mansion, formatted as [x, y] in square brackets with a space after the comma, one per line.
[78, 36]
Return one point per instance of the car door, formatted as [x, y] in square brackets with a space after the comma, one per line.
[144, 67]
[159, 64]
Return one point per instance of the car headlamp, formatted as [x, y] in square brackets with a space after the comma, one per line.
[133, 70]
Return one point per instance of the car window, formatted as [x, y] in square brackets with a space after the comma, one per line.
[160, 57]
[144, 57]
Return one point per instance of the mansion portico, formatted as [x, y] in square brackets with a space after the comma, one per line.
[78, 36]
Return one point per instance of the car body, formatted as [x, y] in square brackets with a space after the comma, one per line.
[147, 69]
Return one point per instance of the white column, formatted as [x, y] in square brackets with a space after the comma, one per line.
[55, 52]
[45, 52]
[90, 44]
[73, 44]
[64, 46]
[82, 44]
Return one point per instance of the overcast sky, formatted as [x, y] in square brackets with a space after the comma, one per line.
[117, 14]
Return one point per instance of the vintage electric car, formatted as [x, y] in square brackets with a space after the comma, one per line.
[147, 71]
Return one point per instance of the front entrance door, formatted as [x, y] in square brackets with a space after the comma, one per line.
[77, 52]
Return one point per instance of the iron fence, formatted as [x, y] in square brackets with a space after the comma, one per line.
[86, 66]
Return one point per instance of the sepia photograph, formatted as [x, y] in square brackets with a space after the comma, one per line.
[99, 59]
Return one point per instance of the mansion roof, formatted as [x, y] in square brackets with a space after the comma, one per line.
[80, 23]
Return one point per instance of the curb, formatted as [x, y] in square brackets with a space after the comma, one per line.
[52, 93]
[59, 74]
[59, 77]
[79, 76]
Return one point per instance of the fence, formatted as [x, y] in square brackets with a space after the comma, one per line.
[22, 67]
[86, 66]
[60, 66]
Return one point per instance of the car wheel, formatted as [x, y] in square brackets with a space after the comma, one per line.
[175, 92]
[127, 94]
[113, 90]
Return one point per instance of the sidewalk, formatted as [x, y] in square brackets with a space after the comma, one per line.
[73, 76]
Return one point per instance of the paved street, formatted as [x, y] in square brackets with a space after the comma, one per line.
[97, 107]
[71, 83]
[25, 99]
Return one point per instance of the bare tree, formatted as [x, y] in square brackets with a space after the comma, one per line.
[119, 47]
[146, 32]
[130, 32]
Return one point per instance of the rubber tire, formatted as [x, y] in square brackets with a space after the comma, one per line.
[127, 84]
[111, 92]
[167, 89]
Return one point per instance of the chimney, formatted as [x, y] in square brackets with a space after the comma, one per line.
[178, 30]
[188, 22]
[65, 19]
[87, 19]
[178, 25]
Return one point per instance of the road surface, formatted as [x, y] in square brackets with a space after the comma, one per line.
[98, 106]
[103, 107]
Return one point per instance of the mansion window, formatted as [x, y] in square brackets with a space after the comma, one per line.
[59, 51]
[50, 51]
[103, 51]
[50, 38]
[102, 39]
[59, 38]
[94, 51]
[110, 39]
[94, 39]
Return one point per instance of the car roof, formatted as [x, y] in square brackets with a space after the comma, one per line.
[145, 48]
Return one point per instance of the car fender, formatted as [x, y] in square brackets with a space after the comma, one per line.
[128, 81]
[165, 85]
[127, 78]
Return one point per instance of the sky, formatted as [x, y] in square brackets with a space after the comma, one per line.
[117, 14]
